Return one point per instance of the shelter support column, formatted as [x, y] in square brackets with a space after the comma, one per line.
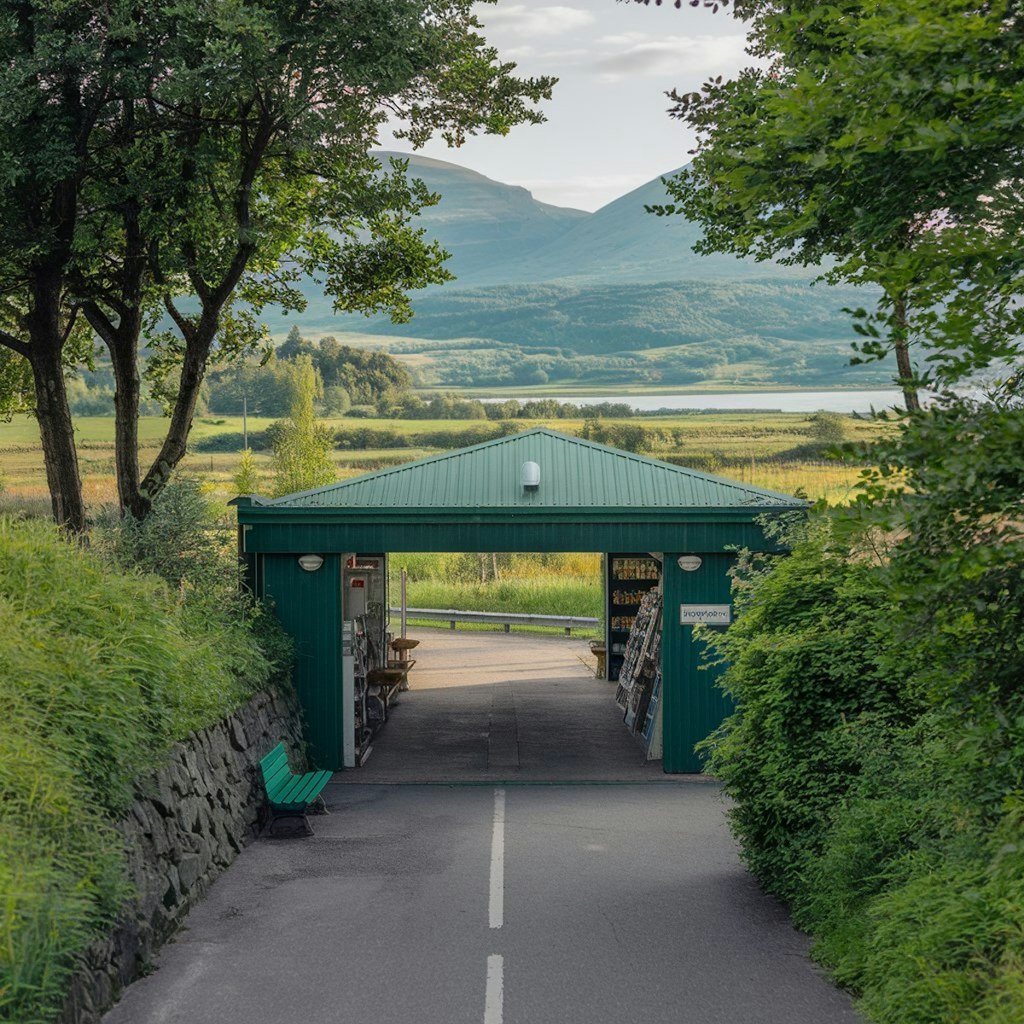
[308, 605]
[693, 705]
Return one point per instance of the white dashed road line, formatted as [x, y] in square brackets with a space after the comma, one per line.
[495, 998]
[495, 990]
[497, 903]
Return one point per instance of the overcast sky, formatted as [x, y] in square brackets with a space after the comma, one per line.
[607, 130]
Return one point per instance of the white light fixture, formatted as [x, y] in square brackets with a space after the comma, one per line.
[530, 476]
[310, 562]
[690, 563]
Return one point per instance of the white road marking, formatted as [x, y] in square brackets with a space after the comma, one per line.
[494, 1004]
[497, 905]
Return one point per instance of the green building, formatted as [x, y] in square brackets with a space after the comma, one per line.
[534, 491]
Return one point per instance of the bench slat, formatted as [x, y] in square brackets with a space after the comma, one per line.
[274, 759]
[285, 790]
[303, 790]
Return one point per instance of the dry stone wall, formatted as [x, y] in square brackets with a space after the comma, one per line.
[187, 824]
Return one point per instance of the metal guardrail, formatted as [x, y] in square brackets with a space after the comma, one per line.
[506, 619]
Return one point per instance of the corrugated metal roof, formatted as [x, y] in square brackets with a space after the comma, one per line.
[573, 474]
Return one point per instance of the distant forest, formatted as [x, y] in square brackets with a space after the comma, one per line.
[678, 333]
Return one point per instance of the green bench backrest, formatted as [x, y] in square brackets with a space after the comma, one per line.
[276, 773]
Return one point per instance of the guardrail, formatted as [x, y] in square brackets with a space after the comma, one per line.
[506, 619]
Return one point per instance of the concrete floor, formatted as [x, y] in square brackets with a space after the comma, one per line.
[606, 901]
[497, 707]
[622, 904]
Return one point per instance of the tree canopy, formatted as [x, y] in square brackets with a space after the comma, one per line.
[191, 161]
[881, 142]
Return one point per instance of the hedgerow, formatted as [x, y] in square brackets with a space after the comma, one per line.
[876, 755]
[101, 670]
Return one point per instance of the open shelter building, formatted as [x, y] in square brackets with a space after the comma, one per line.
[534, 491]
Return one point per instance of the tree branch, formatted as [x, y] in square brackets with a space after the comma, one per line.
[11, 342]
[183, 323]
[99, 321]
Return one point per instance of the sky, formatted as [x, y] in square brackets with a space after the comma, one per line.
[607, 130]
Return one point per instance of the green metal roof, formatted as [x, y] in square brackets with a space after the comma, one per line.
[574, 474]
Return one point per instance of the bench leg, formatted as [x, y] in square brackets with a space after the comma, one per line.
[275, 818]
[319, 805]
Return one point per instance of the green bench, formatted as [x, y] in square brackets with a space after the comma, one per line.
[290, 795]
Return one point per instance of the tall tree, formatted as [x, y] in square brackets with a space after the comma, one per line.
[302, 449]
[883, 143]
[216, 152]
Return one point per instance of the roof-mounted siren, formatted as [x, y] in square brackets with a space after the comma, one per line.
[530, 476]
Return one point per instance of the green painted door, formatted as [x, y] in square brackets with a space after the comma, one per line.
[308, 604]
[693, 705]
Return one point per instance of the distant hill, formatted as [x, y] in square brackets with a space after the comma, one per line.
[622, 243]
[484, 223]
[618, 285]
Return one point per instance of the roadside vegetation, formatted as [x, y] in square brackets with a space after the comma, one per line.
[107, 657]
[876, 754]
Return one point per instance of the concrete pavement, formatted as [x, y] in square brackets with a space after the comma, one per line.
[492, 707]
[619, 904]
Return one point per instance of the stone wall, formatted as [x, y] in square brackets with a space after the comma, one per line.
[187, 824]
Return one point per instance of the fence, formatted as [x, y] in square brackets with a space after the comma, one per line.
[506, 619]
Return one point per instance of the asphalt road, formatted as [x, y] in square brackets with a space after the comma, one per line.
[476, 904]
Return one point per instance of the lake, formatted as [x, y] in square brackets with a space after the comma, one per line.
[785, 401]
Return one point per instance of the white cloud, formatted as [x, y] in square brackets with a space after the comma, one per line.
[520, 20]
[623, 39]
[685, 56]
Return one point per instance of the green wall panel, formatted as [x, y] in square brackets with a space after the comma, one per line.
[694, 706]
[308, 605]
[299, 537]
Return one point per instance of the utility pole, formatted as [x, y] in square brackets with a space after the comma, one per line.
[245, 423]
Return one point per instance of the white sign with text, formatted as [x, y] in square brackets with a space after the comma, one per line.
[712, 614]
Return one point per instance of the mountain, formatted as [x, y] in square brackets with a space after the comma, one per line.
[622, 243]
[548, 293]
[481, 222]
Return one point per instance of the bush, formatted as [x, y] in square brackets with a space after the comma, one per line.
[876, 750]
[789, 752]
[451, 439]
[185, 541]
[234, 441]
[827, 429]
[100, 672]
[363, 438]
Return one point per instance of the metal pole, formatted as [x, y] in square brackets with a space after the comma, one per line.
[404, 574]
[245, 423]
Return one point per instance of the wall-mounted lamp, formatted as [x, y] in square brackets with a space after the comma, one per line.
[310, 562]
[530, 476]
[690, 563]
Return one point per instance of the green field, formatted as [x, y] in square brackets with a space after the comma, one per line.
[763, 449]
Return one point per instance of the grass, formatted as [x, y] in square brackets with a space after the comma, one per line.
[755, 448]
[529, 584]
[100, 672]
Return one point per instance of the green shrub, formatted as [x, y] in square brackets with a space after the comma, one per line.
[361, 438]
[787, 754]
[234, 441]
[100, 672]
[877, 751]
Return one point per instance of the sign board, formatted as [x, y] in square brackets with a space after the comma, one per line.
[712, 614]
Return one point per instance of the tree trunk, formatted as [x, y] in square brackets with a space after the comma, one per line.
[126, 429]
[901, 346]
[56, 430]
[173, 450]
